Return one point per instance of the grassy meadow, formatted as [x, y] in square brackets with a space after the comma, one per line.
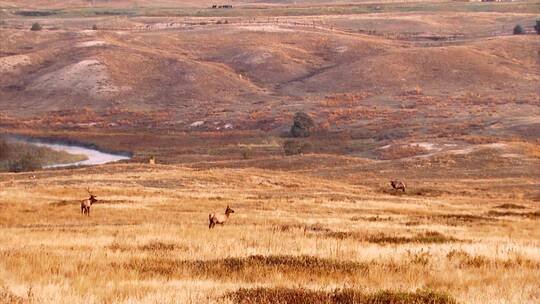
[294, 238]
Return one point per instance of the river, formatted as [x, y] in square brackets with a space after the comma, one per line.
[95, 157]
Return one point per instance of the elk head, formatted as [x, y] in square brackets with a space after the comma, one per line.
[92, 196]
[228, 210]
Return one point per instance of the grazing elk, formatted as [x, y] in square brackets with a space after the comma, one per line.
[87, 203]
[398, 185]
[219, 219]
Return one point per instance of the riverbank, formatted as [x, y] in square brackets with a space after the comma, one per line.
[18, 156]
[19, 153]
[93, 156]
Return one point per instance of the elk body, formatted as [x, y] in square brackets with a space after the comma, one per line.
[219, 218]
[87, 203]
[398, 185]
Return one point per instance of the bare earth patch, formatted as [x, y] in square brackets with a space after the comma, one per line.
[88, 76]
[11, 63]
[91, 43]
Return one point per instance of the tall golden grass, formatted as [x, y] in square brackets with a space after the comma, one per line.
[294, 237]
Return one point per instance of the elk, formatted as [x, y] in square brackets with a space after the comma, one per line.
[87, 203]
[219, 219]
[398, 185]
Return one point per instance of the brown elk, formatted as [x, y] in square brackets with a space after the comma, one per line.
[87, 203]
[398, 185]
[219, 218]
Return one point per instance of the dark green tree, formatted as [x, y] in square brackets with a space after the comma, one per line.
[302, 125]
[36, 27]
[519, 30]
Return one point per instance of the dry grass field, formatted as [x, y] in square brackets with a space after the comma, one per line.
[295, 237]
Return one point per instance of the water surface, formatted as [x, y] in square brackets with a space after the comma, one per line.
[95, 157]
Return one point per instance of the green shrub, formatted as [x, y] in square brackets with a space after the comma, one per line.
[36, 27]
[302, 125]
[42, 13]
[519, 30]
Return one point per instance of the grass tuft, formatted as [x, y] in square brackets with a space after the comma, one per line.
[345, 296]
[428, 237]
[466, 260]
[510, 206]
[534, 214]
[6, 296]
[153, 246]
[243, 267]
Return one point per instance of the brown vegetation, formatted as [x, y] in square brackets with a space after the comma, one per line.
[427, 237]
[251, 268]
[345, 296]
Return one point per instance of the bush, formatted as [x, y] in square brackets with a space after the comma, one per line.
[302, 125]
[4, 149]
[94, 27]
[519, 30]
[27, 162]
[295, 147]
[247, 152]
[36, 27]
[35, 13]
[537, 26]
